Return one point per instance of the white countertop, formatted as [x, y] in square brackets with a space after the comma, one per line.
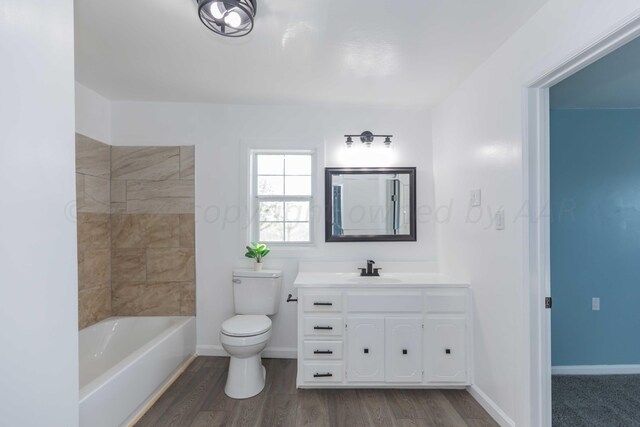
[307, 279]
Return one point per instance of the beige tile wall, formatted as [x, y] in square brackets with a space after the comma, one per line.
[93, 172]
[152, 223]
[136, 228]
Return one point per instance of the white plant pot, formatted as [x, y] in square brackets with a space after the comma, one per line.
[257, 266]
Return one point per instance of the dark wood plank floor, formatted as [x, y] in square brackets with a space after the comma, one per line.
[197, 399]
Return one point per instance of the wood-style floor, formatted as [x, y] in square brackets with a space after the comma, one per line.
[197, 399]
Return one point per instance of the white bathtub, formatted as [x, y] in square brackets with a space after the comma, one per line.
[124, 361]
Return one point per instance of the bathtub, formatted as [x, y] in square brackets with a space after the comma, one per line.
[125, 361]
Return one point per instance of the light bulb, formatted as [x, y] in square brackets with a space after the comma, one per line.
[233, 19]
[215, 10]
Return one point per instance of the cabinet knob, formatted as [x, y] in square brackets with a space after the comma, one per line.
[405, 351]
[366, 351]
[448, 351]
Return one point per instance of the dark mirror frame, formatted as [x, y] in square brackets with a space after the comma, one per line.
[328, 205]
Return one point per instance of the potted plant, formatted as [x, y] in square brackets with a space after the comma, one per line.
[257, 251]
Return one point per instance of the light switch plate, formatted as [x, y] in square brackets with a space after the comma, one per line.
[500, 221]
[595, 304]
[476, 198]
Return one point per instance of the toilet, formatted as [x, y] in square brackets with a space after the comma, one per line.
[256, 295]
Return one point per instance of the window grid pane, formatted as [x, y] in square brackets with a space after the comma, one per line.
[269, 185]
[296, 211]
[270, 164]
[297, 231]
[271, 232]
[271, 211]
[297, 164]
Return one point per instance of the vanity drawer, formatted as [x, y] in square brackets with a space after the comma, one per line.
[323, 372]
[445, 301]
[323, 350]
[323, 326]
[384, 302]
[322, 302]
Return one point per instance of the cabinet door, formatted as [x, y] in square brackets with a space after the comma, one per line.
[365, 349]
[445, 349]
[403, 358]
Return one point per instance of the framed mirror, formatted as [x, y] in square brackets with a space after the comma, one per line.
[370, 204]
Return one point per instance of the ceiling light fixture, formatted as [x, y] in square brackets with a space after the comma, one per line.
[367, 138]
[229, 18]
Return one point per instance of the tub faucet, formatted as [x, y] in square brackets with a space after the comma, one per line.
[370, 271]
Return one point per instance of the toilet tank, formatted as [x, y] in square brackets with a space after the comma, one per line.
[257, 292]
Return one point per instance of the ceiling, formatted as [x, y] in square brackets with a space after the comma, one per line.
[611, 82]
[346, 52]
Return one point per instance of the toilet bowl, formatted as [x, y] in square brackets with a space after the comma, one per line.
[244, 337]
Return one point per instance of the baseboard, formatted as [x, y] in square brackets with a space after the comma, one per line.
[210, 350]
[490, 406]
[269, 352]
[596, 370]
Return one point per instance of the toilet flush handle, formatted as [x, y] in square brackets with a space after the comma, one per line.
[237, 281]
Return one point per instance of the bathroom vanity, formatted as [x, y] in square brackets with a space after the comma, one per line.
[398, 330]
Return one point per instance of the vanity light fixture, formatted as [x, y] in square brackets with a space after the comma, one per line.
[229, 18]
[367, 138]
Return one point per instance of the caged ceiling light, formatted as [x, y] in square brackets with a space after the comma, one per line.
[230, 18]
[367, 138]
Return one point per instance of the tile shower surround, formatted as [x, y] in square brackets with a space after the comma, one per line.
[136, 227]
[93, 174]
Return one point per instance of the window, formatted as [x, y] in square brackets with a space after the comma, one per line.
[283, 194]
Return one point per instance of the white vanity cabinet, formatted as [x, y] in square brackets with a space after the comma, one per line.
[394, 336]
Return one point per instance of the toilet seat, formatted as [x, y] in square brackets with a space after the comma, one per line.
[246, 325]
[245, 342]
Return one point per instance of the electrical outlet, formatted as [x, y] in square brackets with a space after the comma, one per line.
[595, 304]
[476, 198]
[500, 221]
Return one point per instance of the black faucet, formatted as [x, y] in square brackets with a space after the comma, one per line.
[370, 271]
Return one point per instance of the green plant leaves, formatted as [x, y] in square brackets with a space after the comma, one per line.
[257, 251]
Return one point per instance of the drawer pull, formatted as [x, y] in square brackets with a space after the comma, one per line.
[405, 351]
[322, 375]
[323, 303]
[323, 352]
[323, 328]
[448, 351]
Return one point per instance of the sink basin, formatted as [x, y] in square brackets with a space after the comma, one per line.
[374, 279]
[352, 279]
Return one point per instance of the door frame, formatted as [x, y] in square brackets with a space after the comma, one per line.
[536, 188]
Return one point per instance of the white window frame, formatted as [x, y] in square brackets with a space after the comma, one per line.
[255, 199]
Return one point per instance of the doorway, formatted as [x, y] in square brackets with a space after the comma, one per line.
[538, 187]
[595, 242]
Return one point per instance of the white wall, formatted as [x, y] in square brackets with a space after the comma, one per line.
[93, 114]
[222, 135]
[38, 290]
[478, 135]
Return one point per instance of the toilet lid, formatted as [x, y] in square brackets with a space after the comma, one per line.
[246, 325]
